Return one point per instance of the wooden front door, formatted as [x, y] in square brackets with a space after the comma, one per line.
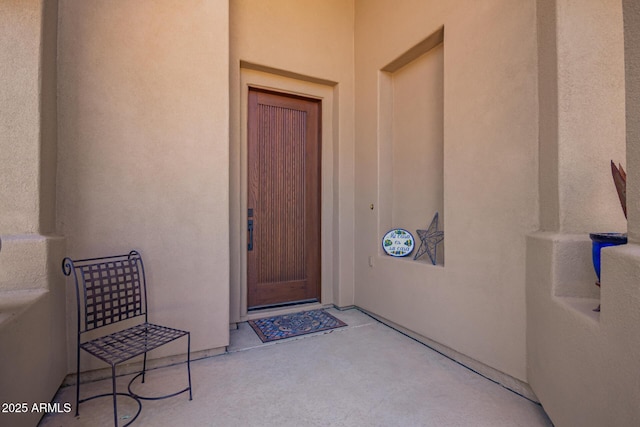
[283, 258]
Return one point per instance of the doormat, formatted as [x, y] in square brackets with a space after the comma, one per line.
[295, 324]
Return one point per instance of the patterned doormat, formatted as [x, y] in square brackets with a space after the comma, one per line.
[295, 324]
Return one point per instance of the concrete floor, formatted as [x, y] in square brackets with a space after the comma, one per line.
[366, 374]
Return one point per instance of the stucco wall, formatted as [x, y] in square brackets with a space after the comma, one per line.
[475, 304]
[32, 315]
[631, 10]
[591, 115]
[20, 26]
[582, 365]
[143, 150]
[582, 119]
[303, 47]
[415, 161]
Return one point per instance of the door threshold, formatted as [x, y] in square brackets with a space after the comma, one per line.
[282, 305]
[259, 313]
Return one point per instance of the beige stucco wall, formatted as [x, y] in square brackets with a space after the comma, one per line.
[415, 159]
[582, 365]
[32, 316]
[490, 175]
[591, 114]
[581, 123]
[27, 141]
[303, 47]
[20, 24]
[632, 66]
[143, 151]
[33, 354]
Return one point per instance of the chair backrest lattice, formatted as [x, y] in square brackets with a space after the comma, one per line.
[108, 290]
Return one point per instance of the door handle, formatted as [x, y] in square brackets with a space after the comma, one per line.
[250, 227]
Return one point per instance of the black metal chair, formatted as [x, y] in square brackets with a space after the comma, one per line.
[109, 290]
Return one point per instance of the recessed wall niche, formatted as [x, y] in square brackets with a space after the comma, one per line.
[411, 139]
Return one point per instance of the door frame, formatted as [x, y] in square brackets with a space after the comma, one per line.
[308, 88]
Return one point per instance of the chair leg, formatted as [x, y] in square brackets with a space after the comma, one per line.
[115, 405]
[144, 366]
[189, 363]
[78, 380]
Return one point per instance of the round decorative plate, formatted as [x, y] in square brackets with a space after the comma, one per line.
[398, 242]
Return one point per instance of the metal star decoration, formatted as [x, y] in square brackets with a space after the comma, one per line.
[429, 239]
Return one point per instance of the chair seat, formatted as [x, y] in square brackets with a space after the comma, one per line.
[123, 345]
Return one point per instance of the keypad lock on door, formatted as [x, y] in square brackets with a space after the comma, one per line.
[250, 229]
